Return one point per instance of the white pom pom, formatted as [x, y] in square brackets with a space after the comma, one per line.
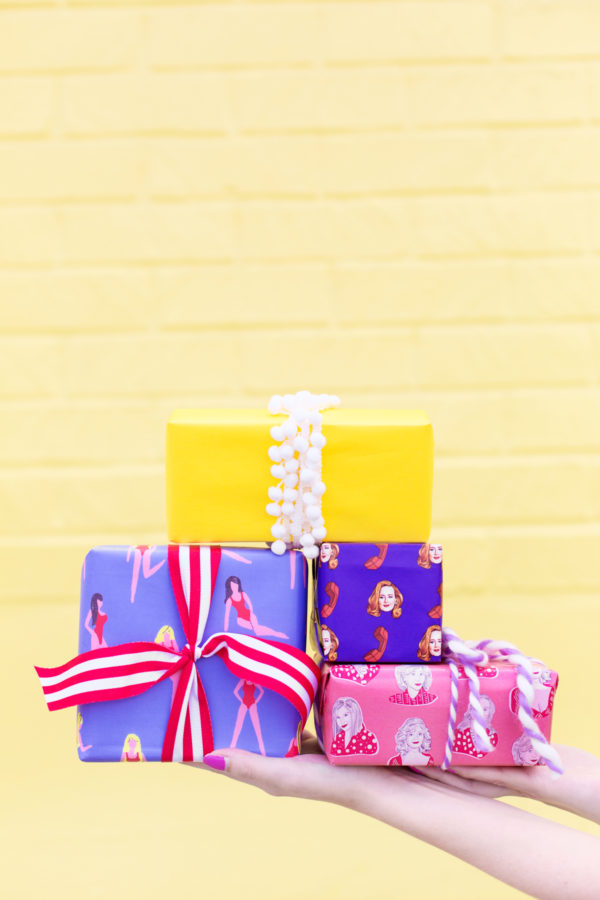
[278, 547]
[310, 499]
[275, 493]
[277, 433]
[275, 404]
[304, 398]
[313, 457]
[277, 471]
[292, 465]
[312, 513]
[275, 454]
[310, 552]
[273, 509]
[323, 401]
[286, 452]
[287, 508]
[289, 494]
[319, 522]
[314, 418]
[278, 530]
[319, 488]
[318, 440]
[295, 529]
[307, 476]
[319, 533]
[307, 540]
[300, 444]
[288, 401]
[334, 401]
[300, 414]
[291, 479]
[289, 429]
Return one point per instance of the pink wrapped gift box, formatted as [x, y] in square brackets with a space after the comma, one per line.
[398, 715]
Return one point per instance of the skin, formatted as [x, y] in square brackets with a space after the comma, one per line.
[495, 837]
[326, 639]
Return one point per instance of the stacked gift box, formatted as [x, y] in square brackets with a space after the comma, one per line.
[200, 644]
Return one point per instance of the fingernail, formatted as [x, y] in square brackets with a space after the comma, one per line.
[215, 762]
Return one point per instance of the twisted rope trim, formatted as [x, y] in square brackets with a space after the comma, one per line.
[470, 654]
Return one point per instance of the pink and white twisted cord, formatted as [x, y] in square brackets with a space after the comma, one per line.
[471, 653]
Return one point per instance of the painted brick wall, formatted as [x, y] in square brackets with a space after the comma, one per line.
[398, 201]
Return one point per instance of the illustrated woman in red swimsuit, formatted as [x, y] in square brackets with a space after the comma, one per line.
[238, 600]
[248, 704]
[141, 558]
[132, 749]
[80, 743]
[166, 638]
[98, 621]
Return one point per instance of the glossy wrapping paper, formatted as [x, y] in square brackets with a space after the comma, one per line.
[377, 466]
[380, 603]
[398, 715]
[137, 603]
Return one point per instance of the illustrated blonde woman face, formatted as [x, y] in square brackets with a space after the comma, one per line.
[326, 641]
[414, 677]
[387, 598]
[343, 718]
[435, 553]
[486, 707]
[414, 737]
[435, 643]
[325, 552]
[529, 757]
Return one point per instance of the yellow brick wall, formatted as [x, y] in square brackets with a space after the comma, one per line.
[397, 201]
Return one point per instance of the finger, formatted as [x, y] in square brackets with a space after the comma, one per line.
[300, 776]
[515, 779]
[461, 783]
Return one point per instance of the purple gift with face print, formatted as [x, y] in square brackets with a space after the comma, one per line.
[380, 602]
[184, 649]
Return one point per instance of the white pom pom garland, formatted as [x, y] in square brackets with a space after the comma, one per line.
[298, 463]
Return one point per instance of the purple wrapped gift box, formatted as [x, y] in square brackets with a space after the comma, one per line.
[380, 602]
[127, 595]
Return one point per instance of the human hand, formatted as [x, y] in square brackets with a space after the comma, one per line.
[309, 775]
[577, 790]
[430, 809]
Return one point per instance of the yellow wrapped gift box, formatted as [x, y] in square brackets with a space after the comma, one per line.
[377, 466]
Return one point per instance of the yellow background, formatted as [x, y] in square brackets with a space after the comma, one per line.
[203, 203]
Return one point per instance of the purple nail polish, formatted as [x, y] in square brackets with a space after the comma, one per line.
[215, 762]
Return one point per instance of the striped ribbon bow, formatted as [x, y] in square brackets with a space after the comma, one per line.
[113, 673]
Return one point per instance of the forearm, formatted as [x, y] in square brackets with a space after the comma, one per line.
[544, 859]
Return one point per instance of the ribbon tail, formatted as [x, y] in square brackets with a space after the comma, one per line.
[107, 673]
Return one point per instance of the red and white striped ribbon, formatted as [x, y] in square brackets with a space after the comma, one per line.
[112, 673]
